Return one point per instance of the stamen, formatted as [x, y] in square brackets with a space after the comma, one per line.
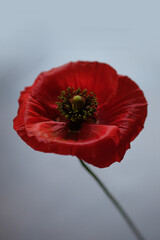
[77, 106]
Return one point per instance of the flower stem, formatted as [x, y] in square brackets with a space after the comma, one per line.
[116, 203]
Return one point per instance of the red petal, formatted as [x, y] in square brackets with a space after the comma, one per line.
[18, 122]
[96, 77]
[91, 144]
[127, 110]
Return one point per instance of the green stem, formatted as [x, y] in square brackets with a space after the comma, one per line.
[116, 203]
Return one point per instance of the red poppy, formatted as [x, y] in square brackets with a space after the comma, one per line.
[96, 116]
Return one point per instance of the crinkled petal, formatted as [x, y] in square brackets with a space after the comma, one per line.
[91, 143]
[18, 122]
[127, 110]
[96, 77]
[40, 132]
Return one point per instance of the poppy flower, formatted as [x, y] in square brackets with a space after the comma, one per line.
[84, 109]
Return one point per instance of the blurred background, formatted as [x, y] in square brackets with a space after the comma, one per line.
[51, 197]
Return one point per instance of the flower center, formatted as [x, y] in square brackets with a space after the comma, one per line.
[77, 106]
[77, 102]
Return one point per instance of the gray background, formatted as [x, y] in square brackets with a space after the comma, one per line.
[51, 197]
